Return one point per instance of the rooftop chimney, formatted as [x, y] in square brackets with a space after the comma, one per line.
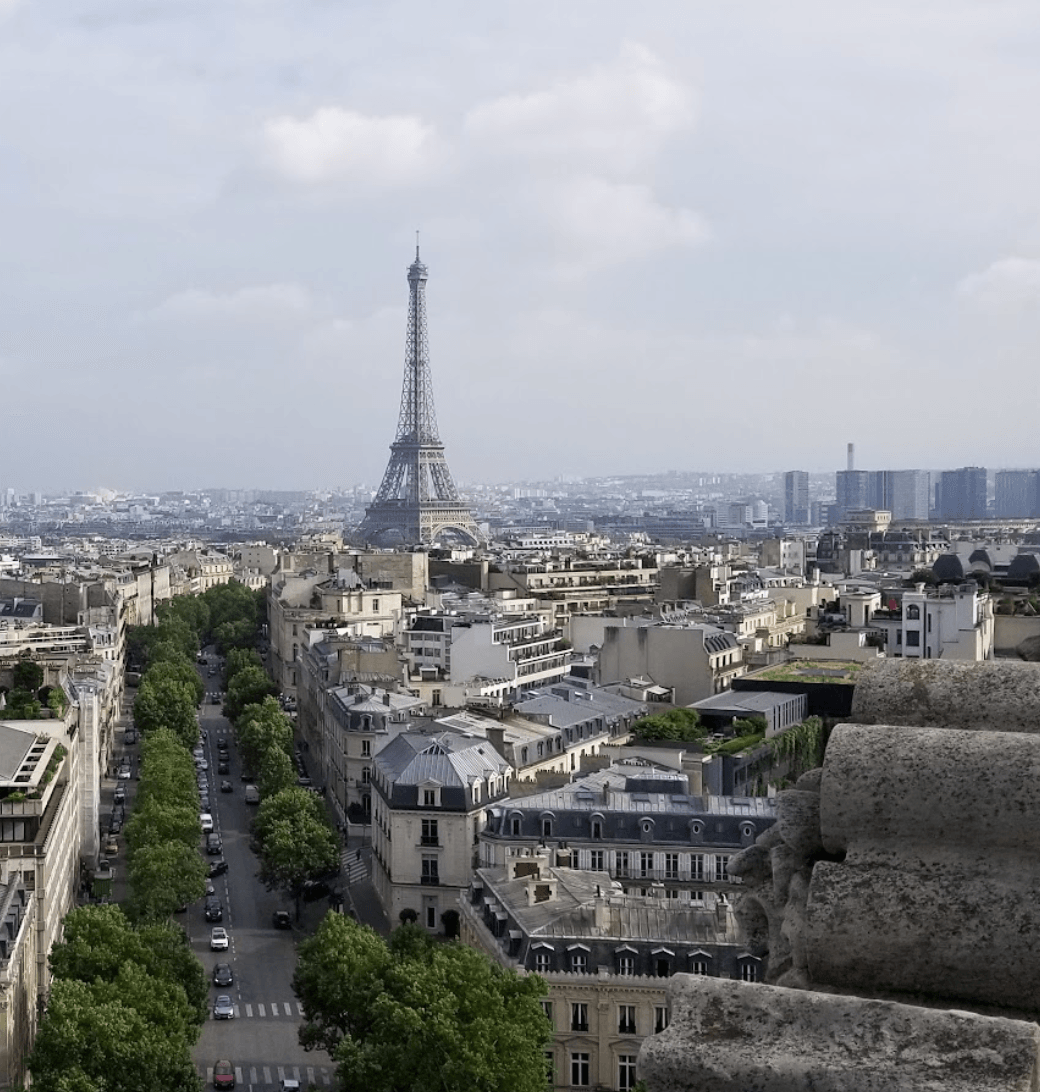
[852, 457]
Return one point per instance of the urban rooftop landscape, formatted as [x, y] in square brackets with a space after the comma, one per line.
[494, 747]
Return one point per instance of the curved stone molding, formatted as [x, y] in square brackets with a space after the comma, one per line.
[728, 1036]
[1002, 695]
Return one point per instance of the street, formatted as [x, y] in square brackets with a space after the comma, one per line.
[261, 1041]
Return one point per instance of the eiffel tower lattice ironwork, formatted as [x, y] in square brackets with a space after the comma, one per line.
[417, 498]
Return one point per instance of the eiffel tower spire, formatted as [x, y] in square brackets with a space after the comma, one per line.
[417, 501]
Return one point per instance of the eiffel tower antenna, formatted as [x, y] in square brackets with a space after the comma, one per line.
[417, 501]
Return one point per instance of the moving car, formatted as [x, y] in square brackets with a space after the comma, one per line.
[214, 909]
[222, 975]
[287, 1084]
[223, 767]
[282, 920]
[218, 867]
[218, 939]
[223, 1074]
[223, 1009]
[226, 786]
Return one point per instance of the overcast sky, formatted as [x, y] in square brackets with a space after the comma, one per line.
[662, 235]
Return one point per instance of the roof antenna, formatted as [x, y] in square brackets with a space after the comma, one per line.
[416, 244]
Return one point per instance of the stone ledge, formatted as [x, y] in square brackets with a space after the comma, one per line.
[728, 1036]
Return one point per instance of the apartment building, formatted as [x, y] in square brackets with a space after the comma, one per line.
[453, 657]
[606, 957]
[430, 794]
[952, 622]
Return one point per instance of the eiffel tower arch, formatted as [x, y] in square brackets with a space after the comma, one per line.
[417, 501]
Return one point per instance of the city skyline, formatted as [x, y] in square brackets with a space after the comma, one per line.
[658, 238]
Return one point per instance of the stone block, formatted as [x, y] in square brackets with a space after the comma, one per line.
[728, 1036]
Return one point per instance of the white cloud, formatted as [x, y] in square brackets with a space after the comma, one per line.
[1009, 286]
[259, 305]
[336, 145]
[613, 118]
[598, 223]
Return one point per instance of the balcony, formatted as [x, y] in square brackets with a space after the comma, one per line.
[429, 840]
[432, 881]
[668, 875]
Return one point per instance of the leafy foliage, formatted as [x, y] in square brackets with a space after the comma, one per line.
[27, 675]
[276, 772]
[801, 747]
[164, 876]
[296, 842]
[166, 702]
[683, 725]
[248, 687]
[263, 728]
[385, 1010]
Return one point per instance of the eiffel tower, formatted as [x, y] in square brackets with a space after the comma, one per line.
[417, 501]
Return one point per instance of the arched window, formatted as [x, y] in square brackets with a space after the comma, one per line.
[913, 612]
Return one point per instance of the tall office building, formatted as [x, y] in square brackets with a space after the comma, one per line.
[904, 493]
[961, 494]
[1016, 493]
[853, 489]
[796, 496]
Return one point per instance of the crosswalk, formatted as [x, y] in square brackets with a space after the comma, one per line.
[260, 1075]
[354, 868]
[284, 1010]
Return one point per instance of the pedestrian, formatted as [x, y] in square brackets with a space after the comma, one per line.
[359, 853]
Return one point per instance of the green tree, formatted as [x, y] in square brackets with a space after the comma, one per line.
[98, 940]
[153, 822]
[168, 664]
[276, 772]
[384, 1011]
[263, 728]
[167, 703]
[297, 843]
[240, 634]
[238, 659]
[88, 1036]
[167, 771]
[163, 877]
[248, 687]
[683, 725]
[231, 602]
[27, 675]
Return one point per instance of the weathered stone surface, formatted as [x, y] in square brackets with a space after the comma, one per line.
[930, 786]
[798, 819]
[1000, 695]
[810, 780]
[728, 1036]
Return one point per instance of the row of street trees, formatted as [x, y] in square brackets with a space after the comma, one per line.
[294, 839]
[126, 1005]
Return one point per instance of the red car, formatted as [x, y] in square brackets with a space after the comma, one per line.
[224, 1074]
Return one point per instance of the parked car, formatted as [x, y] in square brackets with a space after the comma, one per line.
[130, 736]
[222, 975]
[252, 794]
[213, 845]
[223, 1009]
[119, 796]
[210, 889]
[125, 773]
[204, 800]
[214, 910]
[115, 824]
[201, 764]
[287, 1084]
[206, 821]
[218, 867]
[223, 1074]
[218, 939]
[111, 848]
[282, 919]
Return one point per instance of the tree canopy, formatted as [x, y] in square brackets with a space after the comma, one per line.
[166, 702]
[683, 725]
[384, 1010]
[296, 842]
[247, 687]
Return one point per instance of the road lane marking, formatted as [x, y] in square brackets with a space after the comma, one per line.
[249, 1010]
[260, 1010]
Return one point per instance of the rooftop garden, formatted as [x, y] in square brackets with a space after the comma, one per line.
[813, 671]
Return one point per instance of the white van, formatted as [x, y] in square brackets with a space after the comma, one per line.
[207, 822]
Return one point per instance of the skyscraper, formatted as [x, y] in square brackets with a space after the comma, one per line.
[1016, 493]
[796, 496]
[962, 493]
